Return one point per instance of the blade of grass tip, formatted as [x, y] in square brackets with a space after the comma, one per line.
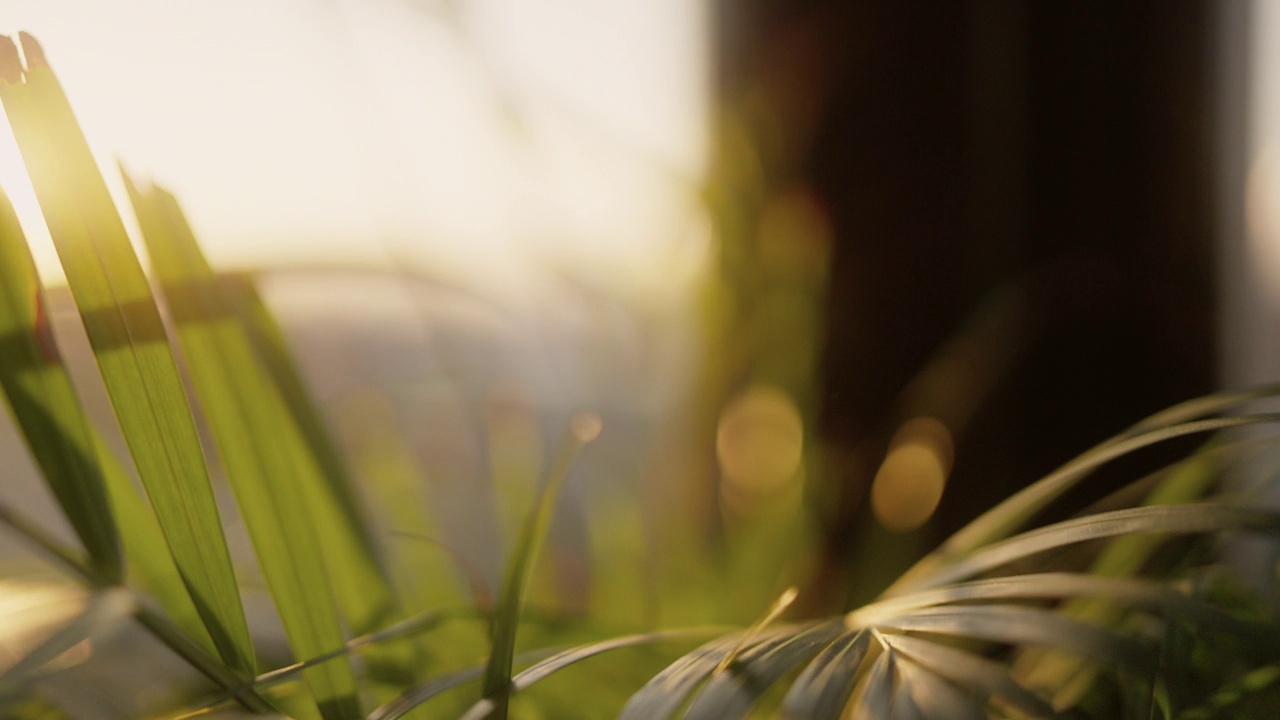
[144, 545]
[1017, 509]
[44, 403]
[361, 579]
[257, 444]
[585, 427]
[775, 611]
[130, 345]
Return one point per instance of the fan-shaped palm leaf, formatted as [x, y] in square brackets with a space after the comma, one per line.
[935, 645]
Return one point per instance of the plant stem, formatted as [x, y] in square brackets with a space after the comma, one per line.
[172, 636]
[156, 623]
[43, 540]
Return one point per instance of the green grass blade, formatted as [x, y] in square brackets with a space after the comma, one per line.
[423, 692]
[129, 342]
[423, 623]
[38, 537]
[45, 405]
[148, 557]
[163, 629]
[361, 578]
[259, 446]
[506, 619]
[411, 698]
[361, 575]
[554, 664]
[91, 486]
[144, 547]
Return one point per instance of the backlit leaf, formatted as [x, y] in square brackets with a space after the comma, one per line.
[128, 339]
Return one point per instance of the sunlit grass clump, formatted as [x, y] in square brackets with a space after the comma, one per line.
[1120, 611]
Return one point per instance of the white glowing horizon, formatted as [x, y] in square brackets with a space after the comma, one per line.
[479, 143]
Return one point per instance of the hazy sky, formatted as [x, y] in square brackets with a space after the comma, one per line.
[472, 136]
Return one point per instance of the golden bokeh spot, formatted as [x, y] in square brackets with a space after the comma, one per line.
[759, 442]
[909, 484]
[586, 426]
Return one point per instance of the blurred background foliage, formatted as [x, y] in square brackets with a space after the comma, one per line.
[831, 277]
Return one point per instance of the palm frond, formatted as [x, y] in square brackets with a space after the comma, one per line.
[938, 646]
[731, 692]
[823, 689]
[971, 670]
[667, 691]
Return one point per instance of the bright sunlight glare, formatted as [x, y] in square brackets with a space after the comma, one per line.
[474, 140]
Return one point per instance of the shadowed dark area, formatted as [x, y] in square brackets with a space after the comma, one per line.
[965, 146]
